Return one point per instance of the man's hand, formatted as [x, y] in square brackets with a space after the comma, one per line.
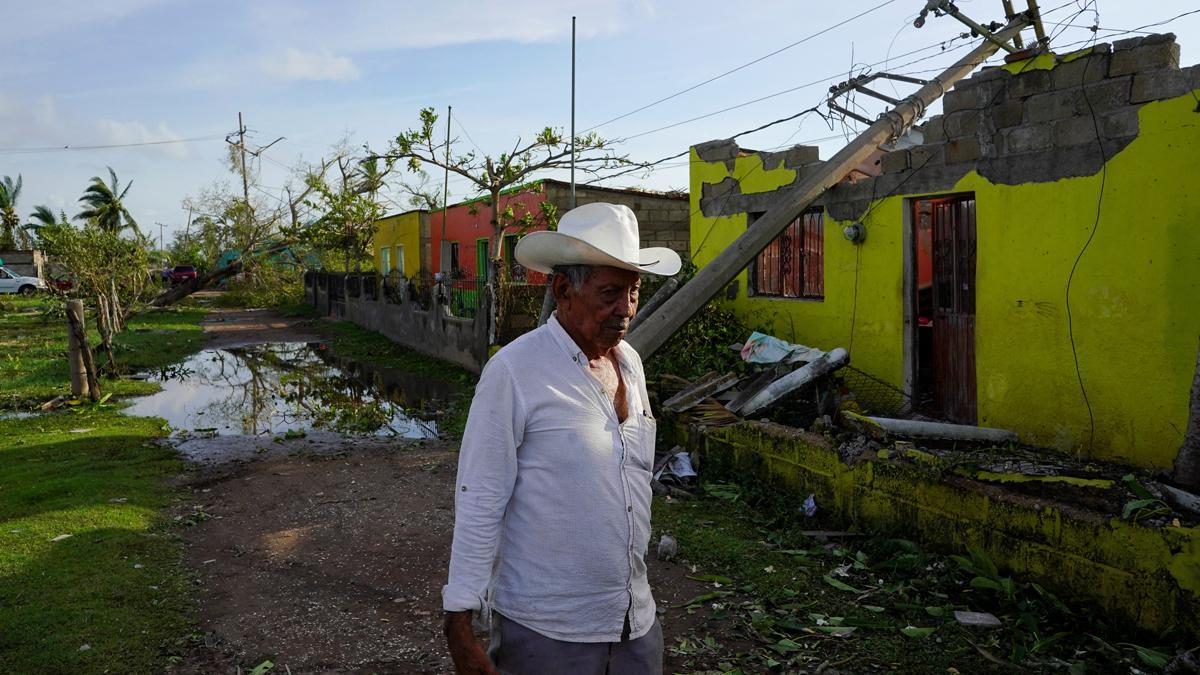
[469, 657]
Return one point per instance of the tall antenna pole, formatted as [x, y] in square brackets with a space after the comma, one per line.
[572, 112]
[442, 248]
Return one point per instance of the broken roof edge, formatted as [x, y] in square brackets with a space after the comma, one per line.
[539, 184]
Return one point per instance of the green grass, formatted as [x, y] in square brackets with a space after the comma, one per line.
[33, 351]
[791, 592]
[117, 583]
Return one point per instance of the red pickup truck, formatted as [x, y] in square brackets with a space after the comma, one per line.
[182, 274]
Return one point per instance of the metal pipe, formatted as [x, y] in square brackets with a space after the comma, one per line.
[1010, 14]
[442, 250]
[1035, 17]
[661, 325]
[799, 377]
[952, 432]
[572, 112]
[950, 9]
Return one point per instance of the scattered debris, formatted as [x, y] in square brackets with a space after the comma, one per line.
[85, 647]
[823, 365]
[667, 547]
[761, 348]
[810, 506]
[977, 619]
[54, 403]
[707, 386]
[1181, 499]
[62, 537]
[677, 467]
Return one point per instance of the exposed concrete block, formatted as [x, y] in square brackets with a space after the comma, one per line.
[1121, 124]
[1156, 85]
[1147, 56]
[920, 156]
[891, 162]
[974, 96]
[988, 73]
[1158, 38]
[717, 151]
[1107, 95]
[963, 150]
[1030, 138]
[724, 188]
[1081, 71]
[801, 155]
[934, 130]
[1054, 105]
[1127, 43]
[1028, 84]
[1075, 130]
[963, 123]
[1007, 114]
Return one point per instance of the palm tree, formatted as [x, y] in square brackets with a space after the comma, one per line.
[105, 207]
[41, 218]
[10, 222]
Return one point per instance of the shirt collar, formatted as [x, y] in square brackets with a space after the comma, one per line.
[567, 343]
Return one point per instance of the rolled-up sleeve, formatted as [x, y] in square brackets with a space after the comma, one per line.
[487, 471]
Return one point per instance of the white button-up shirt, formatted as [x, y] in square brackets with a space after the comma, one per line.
[553, 495]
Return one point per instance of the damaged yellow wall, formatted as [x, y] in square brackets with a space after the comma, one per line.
[1148, 575]
[1135, 299]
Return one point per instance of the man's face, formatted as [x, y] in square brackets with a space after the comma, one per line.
[600, 311]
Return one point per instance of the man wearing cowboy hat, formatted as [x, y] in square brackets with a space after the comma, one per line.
[552, 501]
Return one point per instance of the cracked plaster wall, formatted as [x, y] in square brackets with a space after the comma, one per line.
[1022, 139]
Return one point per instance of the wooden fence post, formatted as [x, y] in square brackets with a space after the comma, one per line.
[79, 344]
[104, 324]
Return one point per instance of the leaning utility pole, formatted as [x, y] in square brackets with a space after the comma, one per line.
[661, 325]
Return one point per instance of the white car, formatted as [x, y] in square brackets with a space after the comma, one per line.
[11, 282]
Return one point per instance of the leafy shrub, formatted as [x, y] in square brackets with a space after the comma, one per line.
[701, 345]
[266, 286]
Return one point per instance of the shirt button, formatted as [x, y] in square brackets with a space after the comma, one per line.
[629, 509]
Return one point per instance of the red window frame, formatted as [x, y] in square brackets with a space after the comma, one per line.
[793, 265]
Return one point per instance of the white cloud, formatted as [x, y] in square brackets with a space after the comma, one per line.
[293, 64]
[122, 133]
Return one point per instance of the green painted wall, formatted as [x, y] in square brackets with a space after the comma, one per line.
[399, 230]
[1135, 298]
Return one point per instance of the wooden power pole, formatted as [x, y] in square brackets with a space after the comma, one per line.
[658, 327]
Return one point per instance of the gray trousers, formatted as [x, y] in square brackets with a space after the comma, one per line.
[516, 650]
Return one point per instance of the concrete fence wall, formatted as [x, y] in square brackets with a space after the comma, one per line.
[412, 315]
[25, 263]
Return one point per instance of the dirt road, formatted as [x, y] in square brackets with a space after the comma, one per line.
[330, 557]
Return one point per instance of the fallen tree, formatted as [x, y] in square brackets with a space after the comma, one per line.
[176, 293]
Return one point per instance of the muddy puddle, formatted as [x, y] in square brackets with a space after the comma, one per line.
[290, 390]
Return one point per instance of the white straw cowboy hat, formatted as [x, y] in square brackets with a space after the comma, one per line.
[595, 234]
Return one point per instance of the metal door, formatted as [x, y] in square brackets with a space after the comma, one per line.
[953, 227]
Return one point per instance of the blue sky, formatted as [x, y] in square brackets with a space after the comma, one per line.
[135, 71]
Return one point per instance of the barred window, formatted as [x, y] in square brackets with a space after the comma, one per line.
[793, 265]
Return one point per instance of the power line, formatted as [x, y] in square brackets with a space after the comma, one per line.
[744, 65]
[108, 146]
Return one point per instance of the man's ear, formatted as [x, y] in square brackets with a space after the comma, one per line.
[561, 284]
